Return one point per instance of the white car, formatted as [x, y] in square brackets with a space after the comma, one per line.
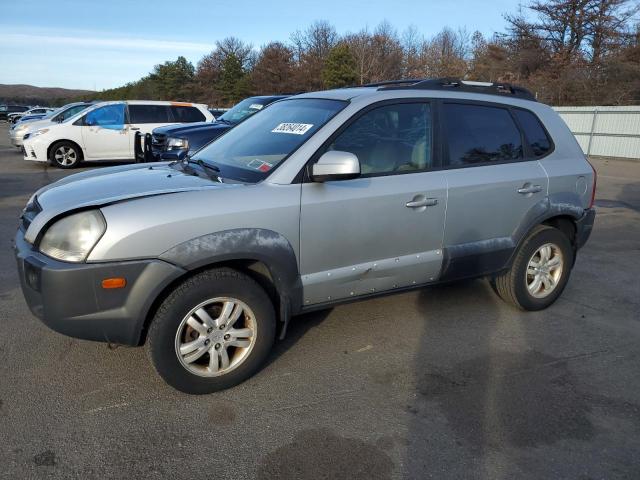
[106, 131]
[14, 117]
[62, 114]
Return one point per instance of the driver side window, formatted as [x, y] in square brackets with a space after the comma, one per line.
[390, 139]
[111, 116]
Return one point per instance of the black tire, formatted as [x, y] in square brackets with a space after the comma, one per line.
[73, 152]
[511, 286]
[223, 282]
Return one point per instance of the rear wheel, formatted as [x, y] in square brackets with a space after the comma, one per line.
[65, 155]
[212, 332]
[539, 272]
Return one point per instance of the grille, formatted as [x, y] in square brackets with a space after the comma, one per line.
[158, 140]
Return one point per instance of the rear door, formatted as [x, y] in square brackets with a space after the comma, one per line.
[104, 133]
[383, 230]
[495, 185]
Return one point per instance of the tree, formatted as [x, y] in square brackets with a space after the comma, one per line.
[340, 68]
[173, 80]
[310, 49]
[273, 71]
[233, 84]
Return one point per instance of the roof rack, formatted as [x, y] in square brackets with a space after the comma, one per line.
[457, 85]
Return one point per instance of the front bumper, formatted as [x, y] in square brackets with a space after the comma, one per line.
[34, 149]
[69, 297]
[16, 138]
[584, 227]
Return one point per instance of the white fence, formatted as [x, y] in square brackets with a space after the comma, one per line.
[605, 131]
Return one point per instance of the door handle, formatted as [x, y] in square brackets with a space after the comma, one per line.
[425, 202]
[529, 189]
[134, 128]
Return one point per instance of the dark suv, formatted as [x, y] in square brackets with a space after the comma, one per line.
[180, 139]
[5, 110]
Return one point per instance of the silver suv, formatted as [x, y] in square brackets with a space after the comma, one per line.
[323, 198]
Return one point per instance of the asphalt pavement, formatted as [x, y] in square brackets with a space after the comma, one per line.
[443, 382]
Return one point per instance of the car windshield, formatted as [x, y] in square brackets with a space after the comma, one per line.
[243, 110]
[250, 151]
[53, 112]
[67, 112]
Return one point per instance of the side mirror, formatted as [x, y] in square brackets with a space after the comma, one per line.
[335, 165]
[173, 155]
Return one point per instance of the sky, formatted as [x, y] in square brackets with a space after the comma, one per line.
[96, 45]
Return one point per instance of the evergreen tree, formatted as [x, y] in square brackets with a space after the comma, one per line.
[340, 69]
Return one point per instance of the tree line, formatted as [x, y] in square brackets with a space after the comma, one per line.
[568, 52]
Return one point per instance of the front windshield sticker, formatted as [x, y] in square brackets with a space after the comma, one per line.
[256, 106]
[260, 165]
[294, 128]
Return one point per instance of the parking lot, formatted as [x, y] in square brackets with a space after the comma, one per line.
[444, 382]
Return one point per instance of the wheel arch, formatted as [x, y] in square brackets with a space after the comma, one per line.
[564, 220]
[264, 255]
[53, 144]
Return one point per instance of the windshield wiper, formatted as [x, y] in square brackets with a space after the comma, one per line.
[206, 167]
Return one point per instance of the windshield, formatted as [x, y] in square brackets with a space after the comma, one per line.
[250, 151]
[54, 112]
[243, 110]
[69, 112]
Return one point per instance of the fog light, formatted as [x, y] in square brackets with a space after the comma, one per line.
[117, 282]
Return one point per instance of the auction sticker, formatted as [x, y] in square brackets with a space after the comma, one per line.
[293, 128]
[256, 106]
[260, 165]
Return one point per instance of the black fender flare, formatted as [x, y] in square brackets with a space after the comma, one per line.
[256, 244]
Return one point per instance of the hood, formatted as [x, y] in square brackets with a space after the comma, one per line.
[170, 130]
[109, 185]
[33, 124]
[193, 127]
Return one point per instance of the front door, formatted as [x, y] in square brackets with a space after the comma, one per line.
[383, 230]
[105, 134]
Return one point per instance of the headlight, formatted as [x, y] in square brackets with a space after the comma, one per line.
[177, 143]
[72, 238]
[39, 132]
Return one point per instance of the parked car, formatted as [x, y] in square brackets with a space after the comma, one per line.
[217, 112]
[62, 114]
[323, 198]
[181, 139]
[106, 131]
[5, 110]
[32, 112]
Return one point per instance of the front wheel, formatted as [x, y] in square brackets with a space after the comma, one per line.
[212, 332]
[65, 155]
[539, 272]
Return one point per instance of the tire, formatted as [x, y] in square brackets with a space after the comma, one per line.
[517, 286]
[180, 324]
[65, 154]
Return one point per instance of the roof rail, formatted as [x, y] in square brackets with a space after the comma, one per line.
[458, 85]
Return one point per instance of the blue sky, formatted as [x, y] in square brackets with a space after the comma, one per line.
[96, 45]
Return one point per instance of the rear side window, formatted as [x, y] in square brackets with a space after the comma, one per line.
[184, 114]
[479, 134]
[149, 114]
[537, 138]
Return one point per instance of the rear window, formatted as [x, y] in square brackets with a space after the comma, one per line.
[534, 132]
[479, 134]
[184, 114]
[149, 114]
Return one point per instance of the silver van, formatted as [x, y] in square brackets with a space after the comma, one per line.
[323, 198]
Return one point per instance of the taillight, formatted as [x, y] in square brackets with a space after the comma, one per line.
[593, 190]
